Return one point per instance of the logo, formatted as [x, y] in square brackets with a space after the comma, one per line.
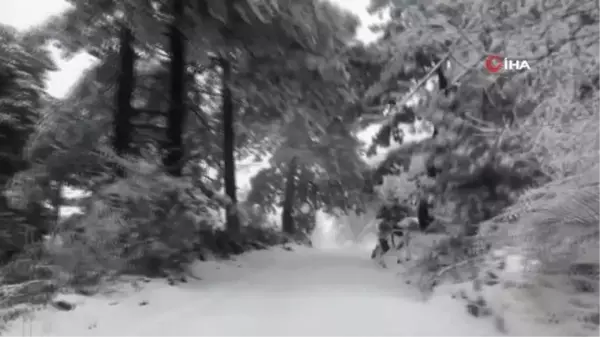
[495, 64]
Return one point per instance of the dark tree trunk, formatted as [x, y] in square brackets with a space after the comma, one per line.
[173, 158]
[122, 120]
[304, 198]
[287, 218]
[425, 219]
[233, 222]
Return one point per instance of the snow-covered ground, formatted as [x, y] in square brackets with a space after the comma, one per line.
[305, 292]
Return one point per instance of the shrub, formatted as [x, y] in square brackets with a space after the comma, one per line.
[146, 224]
[535, 267]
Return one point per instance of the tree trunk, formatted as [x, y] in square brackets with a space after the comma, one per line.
[173, 159]
[122, 120]
[233, 222]
[287, 219]
[56, 200]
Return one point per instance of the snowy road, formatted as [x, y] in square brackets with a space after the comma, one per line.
[305, 292]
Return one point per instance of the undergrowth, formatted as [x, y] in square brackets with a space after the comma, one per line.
[147, 224]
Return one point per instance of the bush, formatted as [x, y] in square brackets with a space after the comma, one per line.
[146, 224]
[535, 267]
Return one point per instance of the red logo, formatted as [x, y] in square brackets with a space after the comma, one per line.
[494, 63]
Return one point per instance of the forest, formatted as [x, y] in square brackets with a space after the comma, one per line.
[182, 92]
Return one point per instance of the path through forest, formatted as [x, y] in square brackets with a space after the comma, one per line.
[267, 293]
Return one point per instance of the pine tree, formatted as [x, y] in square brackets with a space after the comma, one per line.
[23, 64]
[462, 118]
[123, 127]
[173, 160]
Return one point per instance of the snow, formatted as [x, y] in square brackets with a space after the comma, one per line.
[265, 293]
[366, 135]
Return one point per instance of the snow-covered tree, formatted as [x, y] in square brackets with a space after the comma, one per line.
[24, 63]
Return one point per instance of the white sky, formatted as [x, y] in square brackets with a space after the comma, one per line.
[23, 14]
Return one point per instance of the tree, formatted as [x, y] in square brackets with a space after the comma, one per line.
[177, 114]
[233, 221]
[123, 128]
[288, 55]
[118, 116]
[117, 25]
[489, 145]
[457, 142]
[106, 31]
[287, 220]
[22, 99]
[262, 65]
[312, 169]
